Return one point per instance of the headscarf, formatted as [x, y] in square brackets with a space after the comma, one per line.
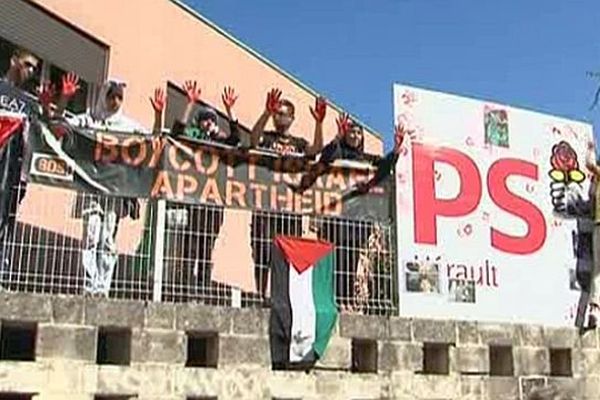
[100, 117]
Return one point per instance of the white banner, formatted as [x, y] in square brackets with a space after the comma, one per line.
[481, 235]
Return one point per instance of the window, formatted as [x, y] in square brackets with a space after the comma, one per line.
[114, 346]
[17, 341]
[364, 355]
[47, 71]
[436, 359]
[6, 52]
[560, 362]
[202, 350]
[501, 361]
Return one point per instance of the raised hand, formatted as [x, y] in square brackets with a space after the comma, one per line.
[400, 133]
[320, 109]
[46, 94]
[158, 101]
[273, 101]
[343, 124]
[70, 84]
[192, 91]
[229, 97]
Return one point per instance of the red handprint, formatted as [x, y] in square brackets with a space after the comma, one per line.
[343, 124]
[70, 84]
[320, 109]
[273, 101]
[192, 91]
[229, 97]
[399, 133]
[46, 93]
[158, 101]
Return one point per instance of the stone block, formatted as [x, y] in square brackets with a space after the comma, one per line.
[531, 335]
[570, 387]
[400, 329]
[468, 333]
[65, 376]
[68, 310]
[199, 318]
[388, 357]
[158, 346]
[197, 382]
[114, 313]
[473, 359]
[586, 362]
[434, 331]
[363, 326]
[501, 388]
[531, 361]
[561, 338]
[239, 350]
[25, 307]
[23, 377]
[159, 316]
[250, 321]
[471, 387]
[589, 339]
[410, 357]
[338, 354]
[143, 380]
[67, 342]
[436, 387]
[590, 387]
[501, 335]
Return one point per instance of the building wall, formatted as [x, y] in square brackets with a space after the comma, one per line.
[66, 349]
[155, 41]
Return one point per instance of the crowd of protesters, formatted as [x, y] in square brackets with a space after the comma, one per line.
[101, 215]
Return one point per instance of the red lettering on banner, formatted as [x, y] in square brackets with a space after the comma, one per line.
[518, 206]
[427, 206]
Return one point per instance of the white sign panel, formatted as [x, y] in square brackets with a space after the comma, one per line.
[480, 194]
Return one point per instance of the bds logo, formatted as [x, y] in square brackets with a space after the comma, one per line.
[50, 166]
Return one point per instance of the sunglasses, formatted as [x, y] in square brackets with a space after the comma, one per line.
[30, 66]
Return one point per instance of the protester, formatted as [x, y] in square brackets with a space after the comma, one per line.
[204, 124]
[349, 145]
[101, 215]
[13, 154]
[280, 141]
[594, 303]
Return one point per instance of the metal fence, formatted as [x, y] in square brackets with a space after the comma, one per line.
[60, 241]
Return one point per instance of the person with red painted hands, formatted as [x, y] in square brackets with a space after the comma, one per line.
[204, 123]
[349, 145]
[280, 140]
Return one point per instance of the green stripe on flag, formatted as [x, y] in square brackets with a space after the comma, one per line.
[325, 309]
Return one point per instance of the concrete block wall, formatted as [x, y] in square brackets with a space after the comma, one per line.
[67, 336]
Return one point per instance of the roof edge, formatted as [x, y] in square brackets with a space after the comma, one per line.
[271, 64]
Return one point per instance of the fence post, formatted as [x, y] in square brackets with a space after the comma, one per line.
[159, 249]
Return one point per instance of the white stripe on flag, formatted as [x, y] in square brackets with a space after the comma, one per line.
[303, 313]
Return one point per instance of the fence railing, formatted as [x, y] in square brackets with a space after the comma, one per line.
[65, 242]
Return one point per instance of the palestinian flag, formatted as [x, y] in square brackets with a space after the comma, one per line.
[303, 311]
[9, 125]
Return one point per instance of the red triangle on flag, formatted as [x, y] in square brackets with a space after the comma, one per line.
[8, 127]
[302, 253]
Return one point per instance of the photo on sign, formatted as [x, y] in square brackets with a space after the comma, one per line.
[423, 276]
[461, 291]
[496, 127]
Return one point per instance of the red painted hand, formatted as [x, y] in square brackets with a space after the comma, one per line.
[343, 124]
[229, 97]
[158, 101]
[320, 109]
[273, 101]
[70, 84]
[46, 93]
[192, 91]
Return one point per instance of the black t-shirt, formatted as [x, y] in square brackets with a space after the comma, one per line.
[16, 100]
[283, 145]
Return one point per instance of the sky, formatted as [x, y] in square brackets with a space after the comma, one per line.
[534, 54]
